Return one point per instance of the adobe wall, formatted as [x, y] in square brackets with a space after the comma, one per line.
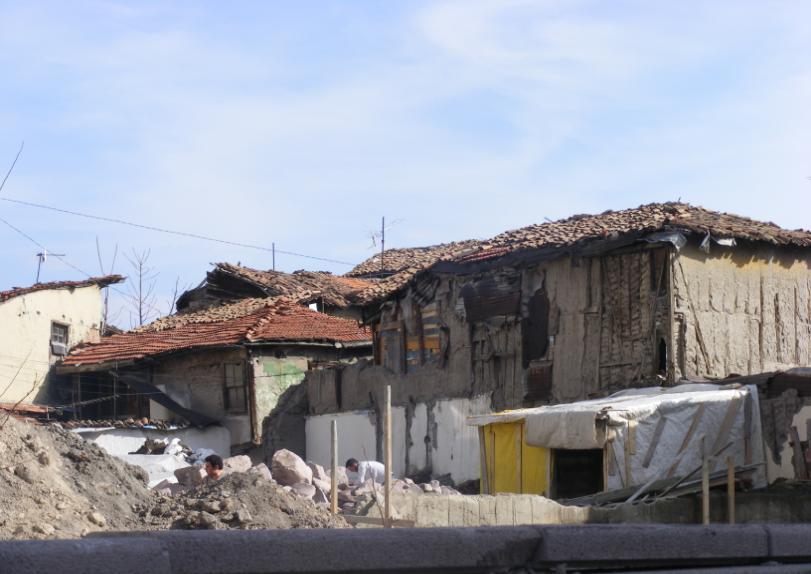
[25, 336]
[741, 310]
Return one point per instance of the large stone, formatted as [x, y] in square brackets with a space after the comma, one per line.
[190, 475]
[262, 470]
[322, 485]
[318, 471]
[304, 490]
[288, 468]
[240, 463]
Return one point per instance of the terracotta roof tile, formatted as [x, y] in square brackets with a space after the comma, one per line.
[103, 281]
[248, 320]
[645, 219]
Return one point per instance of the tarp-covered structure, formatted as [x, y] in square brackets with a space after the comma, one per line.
[643, 434]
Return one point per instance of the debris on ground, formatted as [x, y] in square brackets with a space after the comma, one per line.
[241, 500]
[54, 484]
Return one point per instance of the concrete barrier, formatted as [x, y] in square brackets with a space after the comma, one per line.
[747, 548]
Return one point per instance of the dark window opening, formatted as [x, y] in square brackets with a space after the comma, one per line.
[577, 473]
[661, 356]
[236, 391]
[535, 328]
[539, 385]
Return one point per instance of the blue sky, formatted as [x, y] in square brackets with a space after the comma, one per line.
[302, 123]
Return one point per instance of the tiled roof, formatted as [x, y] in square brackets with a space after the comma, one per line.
[650, 218]
[100, 281]
[248, 320]
[300, 286]
[408, 259]
[401, 265]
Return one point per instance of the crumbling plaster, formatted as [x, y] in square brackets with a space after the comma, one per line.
[741, 310]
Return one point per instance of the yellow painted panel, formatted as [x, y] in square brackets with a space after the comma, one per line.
[502, 460]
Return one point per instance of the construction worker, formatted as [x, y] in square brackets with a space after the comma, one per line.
[213, 466]
[367, 469]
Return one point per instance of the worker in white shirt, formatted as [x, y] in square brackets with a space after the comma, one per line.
[367, 469]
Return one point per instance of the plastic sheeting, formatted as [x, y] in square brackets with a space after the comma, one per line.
[651, 433]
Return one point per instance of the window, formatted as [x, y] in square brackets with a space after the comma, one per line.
[59, 339]
[577, 472]
[535, 328]
[236, 392]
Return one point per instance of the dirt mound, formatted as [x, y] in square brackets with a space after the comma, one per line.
[54, 484]
[239, 500]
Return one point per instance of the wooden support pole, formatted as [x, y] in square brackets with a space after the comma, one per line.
[333, 497]
[387, 510]
[731, 490]
[484, 479]
[705, 485]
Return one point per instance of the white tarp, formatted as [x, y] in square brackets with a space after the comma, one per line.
[662, 429]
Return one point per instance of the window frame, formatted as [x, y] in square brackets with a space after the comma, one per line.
[234, 386]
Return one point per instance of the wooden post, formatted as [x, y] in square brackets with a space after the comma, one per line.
[334, 476]
[731, 490]
[484, 479]
[387, 514]
[705, 485]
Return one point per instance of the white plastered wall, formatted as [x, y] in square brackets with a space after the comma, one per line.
[25, 334]
[454, 446]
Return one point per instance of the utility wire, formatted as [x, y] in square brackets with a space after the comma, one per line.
[171, 231]
[8, 173]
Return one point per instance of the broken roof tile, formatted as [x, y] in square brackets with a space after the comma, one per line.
[103, 281]
[247, 320]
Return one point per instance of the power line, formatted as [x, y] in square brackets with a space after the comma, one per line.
[172, 231]
[10, 169]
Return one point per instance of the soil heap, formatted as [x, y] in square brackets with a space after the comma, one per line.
[54, 484]
[242, 500]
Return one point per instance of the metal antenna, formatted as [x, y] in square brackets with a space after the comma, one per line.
[42, 257]
[382, 245]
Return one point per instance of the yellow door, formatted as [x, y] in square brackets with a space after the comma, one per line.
[511, 464]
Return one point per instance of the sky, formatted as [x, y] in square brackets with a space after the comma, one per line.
[302, 123]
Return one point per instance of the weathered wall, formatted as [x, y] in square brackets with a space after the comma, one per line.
[25, 335]
[428, 438]
[197, 382]
[741, 310]
[272, 376]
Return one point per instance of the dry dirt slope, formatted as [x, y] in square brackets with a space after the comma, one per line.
[54, 484]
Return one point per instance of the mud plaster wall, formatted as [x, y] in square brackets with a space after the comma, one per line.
[605, 318]
[741, 310]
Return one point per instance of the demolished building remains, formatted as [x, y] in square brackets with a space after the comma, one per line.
[561, 312]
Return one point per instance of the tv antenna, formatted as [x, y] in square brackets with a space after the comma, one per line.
[42, 257]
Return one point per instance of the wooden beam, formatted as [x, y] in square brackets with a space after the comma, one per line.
[484, 479]
[657, 434]
[372, 520]
[800, 470]
[688, 437]
[705, 485]
[387, 508]
[518, 461]
[730, 490]
[334, 475]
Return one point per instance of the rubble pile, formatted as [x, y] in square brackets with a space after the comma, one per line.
[240, 500]
[54, 484]
[125, 423]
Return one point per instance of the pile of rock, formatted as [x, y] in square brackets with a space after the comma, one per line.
[240, 500]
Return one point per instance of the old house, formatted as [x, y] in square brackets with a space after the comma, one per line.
[39, 325]
[565, 311]
[327, 293]
[227, 364]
